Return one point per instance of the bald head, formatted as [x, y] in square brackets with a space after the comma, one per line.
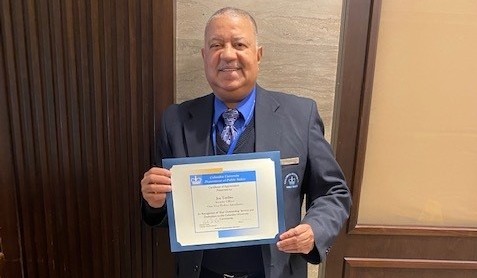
[233, 12]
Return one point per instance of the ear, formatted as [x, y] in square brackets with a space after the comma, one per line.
[202, 51]
[259, 54]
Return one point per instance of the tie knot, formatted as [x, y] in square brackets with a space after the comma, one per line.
[230, 116]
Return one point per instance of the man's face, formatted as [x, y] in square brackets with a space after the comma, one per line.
[231, 57]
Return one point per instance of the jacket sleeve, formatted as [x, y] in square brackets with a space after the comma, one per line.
[154, 216]
[328, 199]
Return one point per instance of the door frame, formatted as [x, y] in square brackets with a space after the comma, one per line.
[359, 37]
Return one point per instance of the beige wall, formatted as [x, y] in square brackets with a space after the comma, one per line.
[300, 41]
[421, 154]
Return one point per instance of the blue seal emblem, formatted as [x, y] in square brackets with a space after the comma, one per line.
[291, 181]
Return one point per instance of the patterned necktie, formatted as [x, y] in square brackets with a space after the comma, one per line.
[230, 131]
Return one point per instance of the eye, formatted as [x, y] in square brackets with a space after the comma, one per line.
[214, 45]
[240, 45]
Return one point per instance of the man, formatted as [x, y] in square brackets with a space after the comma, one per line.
[263, 121]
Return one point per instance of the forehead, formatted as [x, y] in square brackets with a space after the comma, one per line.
[229, 25]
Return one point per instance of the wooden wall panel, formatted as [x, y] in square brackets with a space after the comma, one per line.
[359, 41]
[83, 86]
[9, 238]
[409, 268]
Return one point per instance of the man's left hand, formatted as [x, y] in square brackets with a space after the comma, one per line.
[297, 240]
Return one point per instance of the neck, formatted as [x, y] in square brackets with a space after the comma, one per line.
[231, 105]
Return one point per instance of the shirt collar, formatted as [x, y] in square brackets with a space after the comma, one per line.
[245, 107]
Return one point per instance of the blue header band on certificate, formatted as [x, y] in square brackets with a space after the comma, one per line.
[226, 177]
[248, 186]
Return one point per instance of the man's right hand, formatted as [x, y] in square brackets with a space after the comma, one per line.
[154, 186]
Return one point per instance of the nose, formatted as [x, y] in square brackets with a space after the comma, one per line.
[228, 53]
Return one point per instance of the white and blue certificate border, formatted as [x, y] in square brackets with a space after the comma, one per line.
[225, 201]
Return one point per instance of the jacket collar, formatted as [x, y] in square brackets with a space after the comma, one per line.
[197, 126]
[267, 121]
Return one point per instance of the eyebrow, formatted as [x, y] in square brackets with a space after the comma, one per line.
[217, 39]
[214, 39]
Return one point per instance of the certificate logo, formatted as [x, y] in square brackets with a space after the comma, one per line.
[195, 180]
[291, 181]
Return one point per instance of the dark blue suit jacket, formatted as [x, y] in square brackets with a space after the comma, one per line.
[286, 123]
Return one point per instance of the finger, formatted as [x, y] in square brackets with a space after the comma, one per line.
[289, 234]
[152, 179]
[156, 189]
[155, 200]
[295, 246]
[304, 233]
[287, 244]
[159, 171]
[288, 240]
[297, 240]
[157, 179]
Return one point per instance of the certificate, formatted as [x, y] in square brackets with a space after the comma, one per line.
[225, 201]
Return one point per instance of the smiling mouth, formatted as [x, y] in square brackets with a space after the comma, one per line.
[229, 69]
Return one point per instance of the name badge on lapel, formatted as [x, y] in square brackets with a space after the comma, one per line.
[289, 161]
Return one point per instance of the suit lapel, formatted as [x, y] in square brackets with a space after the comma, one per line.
[198, 126]
[267, 122]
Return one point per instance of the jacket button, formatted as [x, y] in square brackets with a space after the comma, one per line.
[196, 268]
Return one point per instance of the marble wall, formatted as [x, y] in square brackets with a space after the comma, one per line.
[300, 47]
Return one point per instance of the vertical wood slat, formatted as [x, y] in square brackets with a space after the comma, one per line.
[84, 84]
[56, 106]
[102, 83]
[124, 124]
[98, 164]
[46, 129]
[71, 141]
[145, 78]
[10, 266]
[52, 61]
[31, 211]
[83, 113]
[134, 132]
[161, 27]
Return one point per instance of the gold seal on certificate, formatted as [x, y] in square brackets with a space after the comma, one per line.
[225, 201]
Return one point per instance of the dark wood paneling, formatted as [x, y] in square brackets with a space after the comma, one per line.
[83, 86]
[409, 268]
[351, 68]
[413, 231]
[9, 238]
[352, 56]
[163, 70]
[10, 258]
